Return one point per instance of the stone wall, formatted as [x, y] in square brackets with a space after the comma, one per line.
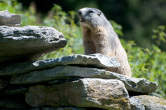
[76, 82]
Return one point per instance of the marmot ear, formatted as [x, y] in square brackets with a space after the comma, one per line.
[99, 13]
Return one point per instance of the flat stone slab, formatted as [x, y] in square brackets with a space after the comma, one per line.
[10, 103]
[98, 93]
[14, 91]
[64, 108]
[52, 108]
[9, 19]
[94, 60]
[145, 102]
[17, 43]
[68, 72]
[3, 84]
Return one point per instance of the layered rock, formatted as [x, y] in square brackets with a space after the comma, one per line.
[75, 75]
[68, 72]
[22, 43]
[77, 66]
[94, 60]
[98, 93]
[146, 102]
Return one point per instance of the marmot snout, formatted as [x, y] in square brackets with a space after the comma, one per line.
[100, 37]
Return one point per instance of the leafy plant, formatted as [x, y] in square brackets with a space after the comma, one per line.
[148, 63]
[159, 36]
[64, 22]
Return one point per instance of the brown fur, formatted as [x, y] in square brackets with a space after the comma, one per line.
[100, 40]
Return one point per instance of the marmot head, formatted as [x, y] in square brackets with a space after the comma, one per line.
[92, 17]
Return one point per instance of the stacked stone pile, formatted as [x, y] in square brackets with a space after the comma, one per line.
[76, 82]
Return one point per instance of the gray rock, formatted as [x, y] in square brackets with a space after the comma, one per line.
[13, 102]
[136, 104]
[18, 43]
[9, 19]
[67, 72]
[95, 60]
[62, 108]
[15, 91]
[98, 93]
[149, 102]
[53, 108]
[3, 84]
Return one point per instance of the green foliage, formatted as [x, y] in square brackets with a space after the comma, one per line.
[117, 28]
[143, 16]
[159, 36]
[147, 63]
[10, 5]
[64, 22]
[28, 16]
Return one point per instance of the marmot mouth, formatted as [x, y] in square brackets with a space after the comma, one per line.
[82, 20]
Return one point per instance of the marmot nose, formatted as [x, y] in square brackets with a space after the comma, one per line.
[79, 12]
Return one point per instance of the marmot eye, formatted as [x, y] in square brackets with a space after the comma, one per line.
[90, 11]
[99, 13]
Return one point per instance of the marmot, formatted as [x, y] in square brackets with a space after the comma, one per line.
[100, 37]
